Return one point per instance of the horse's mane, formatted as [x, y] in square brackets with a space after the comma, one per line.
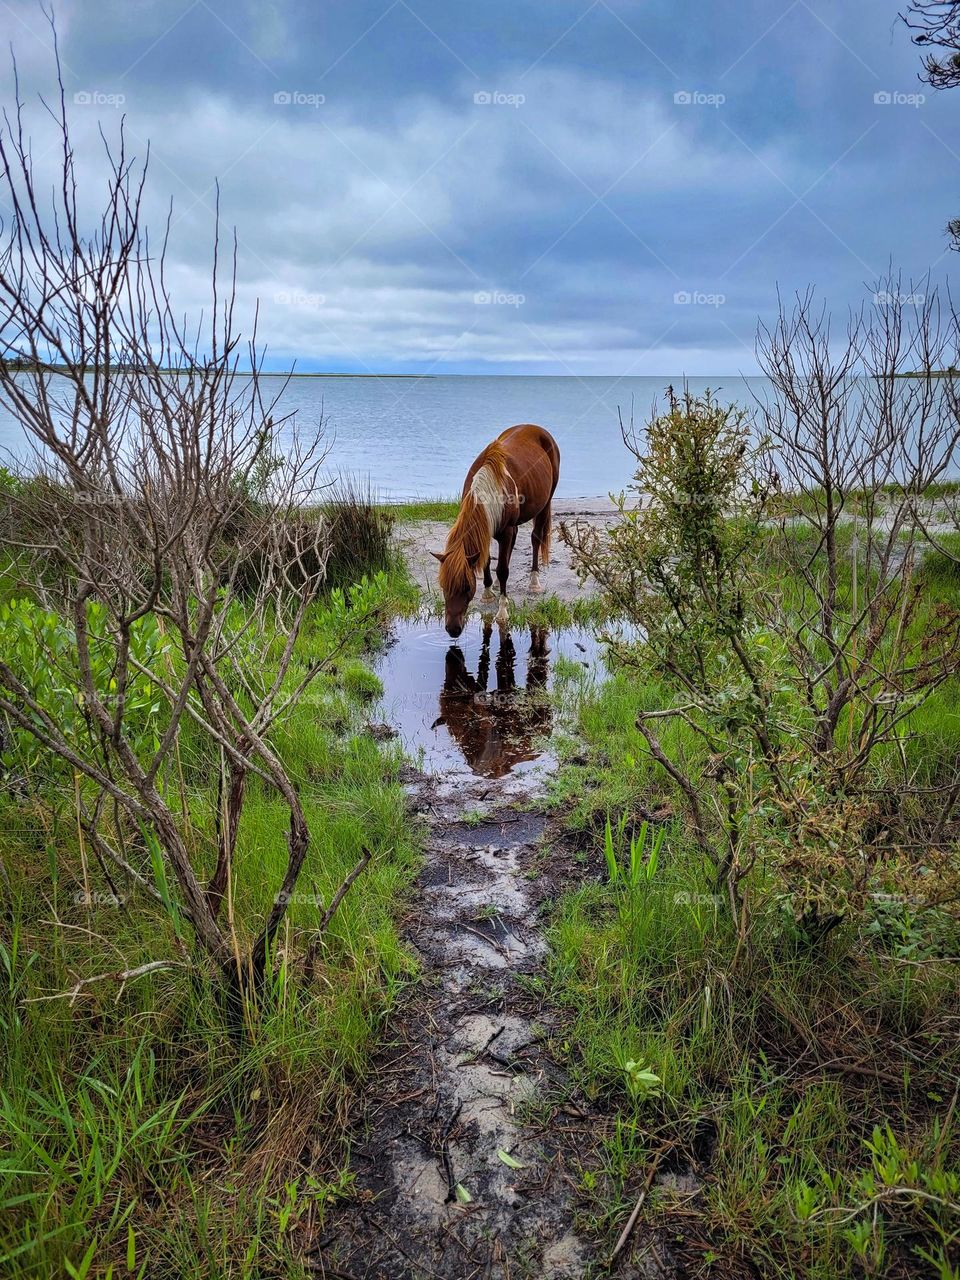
[471, 532]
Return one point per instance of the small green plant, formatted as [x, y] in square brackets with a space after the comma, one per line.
[636, 864]
[642, 1083]
[303, 1196]
[805, 1200]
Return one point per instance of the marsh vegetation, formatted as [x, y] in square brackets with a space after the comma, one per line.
[769, 988]
[207, 853]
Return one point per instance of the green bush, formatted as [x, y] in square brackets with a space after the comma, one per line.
[788, 666]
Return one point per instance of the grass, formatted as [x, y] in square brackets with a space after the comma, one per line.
[423, 509]
[811, 500]
[361, 532]
[771, 1077]
[137, 1136]
[812, 1089]
[556, 614]
[618, 775]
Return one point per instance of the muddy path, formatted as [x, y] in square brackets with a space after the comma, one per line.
[467, 1153]
[456, 1174]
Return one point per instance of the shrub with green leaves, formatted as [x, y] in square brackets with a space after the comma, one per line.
[41, 645]
[789, 688]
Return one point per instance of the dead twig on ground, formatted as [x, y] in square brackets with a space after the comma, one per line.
[632, 1220]
[123, 976]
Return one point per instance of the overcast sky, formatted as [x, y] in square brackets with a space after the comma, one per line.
[520, 186]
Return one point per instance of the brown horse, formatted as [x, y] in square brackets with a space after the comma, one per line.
[511, 482]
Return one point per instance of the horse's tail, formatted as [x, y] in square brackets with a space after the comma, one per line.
[546, 532]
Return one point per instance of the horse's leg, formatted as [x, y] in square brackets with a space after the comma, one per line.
[540, 535]
[483, 670]
[505, 545]
[488, 596]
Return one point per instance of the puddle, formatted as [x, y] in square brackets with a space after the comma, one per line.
[478, 706]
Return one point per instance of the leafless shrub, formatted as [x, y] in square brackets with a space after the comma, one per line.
[859, 446]
[936, 26]
[157, 500]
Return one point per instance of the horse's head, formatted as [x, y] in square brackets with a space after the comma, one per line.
[458, 582]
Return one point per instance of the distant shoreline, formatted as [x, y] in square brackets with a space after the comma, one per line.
[18, 367]
[24, 367]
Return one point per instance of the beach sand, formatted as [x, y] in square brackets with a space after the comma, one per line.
[557, 579]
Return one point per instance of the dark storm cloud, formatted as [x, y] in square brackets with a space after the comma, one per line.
[550, 186]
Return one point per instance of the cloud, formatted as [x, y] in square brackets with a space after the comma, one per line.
[582, 173]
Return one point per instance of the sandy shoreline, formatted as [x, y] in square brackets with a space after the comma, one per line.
[558, 579]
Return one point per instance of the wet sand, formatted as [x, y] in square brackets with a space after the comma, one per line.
[559, 577]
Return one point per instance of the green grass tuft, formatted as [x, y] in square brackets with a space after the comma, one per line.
[423, 509]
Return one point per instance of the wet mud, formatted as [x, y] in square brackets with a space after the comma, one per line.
[467, 1155]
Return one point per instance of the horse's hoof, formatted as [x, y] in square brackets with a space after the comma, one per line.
[501, 619]
[535, 588]
[488, 597]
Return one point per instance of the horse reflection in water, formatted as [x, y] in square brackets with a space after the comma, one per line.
[496, 730]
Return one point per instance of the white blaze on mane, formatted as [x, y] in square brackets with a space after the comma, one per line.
[487, 493]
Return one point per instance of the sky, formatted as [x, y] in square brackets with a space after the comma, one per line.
[517, 186]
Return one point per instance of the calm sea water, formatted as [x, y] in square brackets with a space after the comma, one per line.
[416, 437]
